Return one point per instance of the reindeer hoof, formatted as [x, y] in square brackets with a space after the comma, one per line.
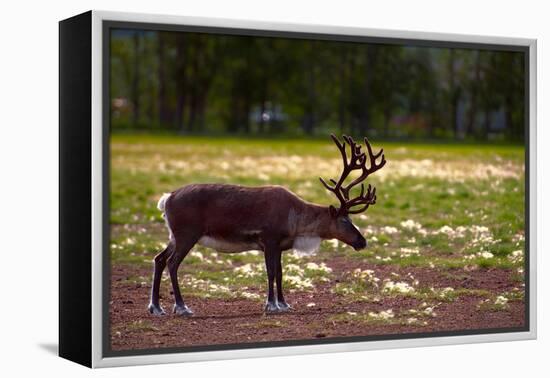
[283, 306]
[271, 308]
[182, 310]
[156, 310]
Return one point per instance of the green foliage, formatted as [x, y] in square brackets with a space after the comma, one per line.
[197, 83]
[454, 210]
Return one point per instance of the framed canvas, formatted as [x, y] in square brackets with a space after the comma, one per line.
[385, 179]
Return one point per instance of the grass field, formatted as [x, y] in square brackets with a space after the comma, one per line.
[446, 237]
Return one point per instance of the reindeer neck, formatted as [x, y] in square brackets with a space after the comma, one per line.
[312, 220]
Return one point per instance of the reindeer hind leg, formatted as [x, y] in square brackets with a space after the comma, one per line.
[160, 263]
[182, 248]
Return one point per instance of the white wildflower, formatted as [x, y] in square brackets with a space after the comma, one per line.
[516, 256]
[293, 268]
[369, 230]
[298, 282]
[397, 287]
[367, 275]
[411, 225]
[250, 295]
[407, 252]
[382, 315]
[429, 311]
[486, 255]
[333, 243]
[445, 230]
[197, 254]
[518, 238]
[501, 301]
[389, 230]
[318, 267]
[446, 292]
[249, 270]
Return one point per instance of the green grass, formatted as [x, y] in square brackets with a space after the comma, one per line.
[438, 186]
[137, 326]
[418, 316]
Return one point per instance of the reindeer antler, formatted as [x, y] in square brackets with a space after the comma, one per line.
[357, 161]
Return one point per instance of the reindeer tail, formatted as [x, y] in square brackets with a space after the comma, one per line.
[162, 202]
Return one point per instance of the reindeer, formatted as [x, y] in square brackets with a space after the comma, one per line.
[233, 218]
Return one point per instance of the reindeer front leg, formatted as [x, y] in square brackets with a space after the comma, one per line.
[271, 254]
[281, 303]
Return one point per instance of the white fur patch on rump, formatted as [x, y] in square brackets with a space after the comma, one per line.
[161, 205]
[306, 245]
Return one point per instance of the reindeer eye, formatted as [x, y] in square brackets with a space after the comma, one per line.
[344, 220]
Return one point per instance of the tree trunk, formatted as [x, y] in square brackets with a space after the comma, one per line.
[454, 94]
[352, 114]
[233, 119]
[193, 112]
[163, 108]
[387, 115]
[151, 100]
[181, 83]
[180, 113]
[487, 124]
[510, 127]
[194, 91]
[246, 114]
[364, 119]
[200, 112]
[474, 96]
[342, 98]
[263, 98]
[308, 122]
[135, 80]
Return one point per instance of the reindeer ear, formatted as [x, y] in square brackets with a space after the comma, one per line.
[333, 211]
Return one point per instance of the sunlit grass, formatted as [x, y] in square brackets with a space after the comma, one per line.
[439, 206]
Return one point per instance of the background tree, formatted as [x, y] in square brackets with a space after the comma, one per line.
[211, 83]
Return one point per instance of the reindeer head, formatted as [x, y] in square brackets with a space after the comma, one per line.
[341, 226]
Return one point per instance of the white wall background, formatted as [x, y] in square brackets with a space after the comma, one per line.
[28, 186]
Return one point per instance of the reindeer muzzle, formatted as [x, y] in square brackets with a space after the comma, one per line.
[360, 244]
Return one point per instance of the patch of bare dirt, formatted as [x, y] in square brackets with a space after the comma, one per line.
[232, 321]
